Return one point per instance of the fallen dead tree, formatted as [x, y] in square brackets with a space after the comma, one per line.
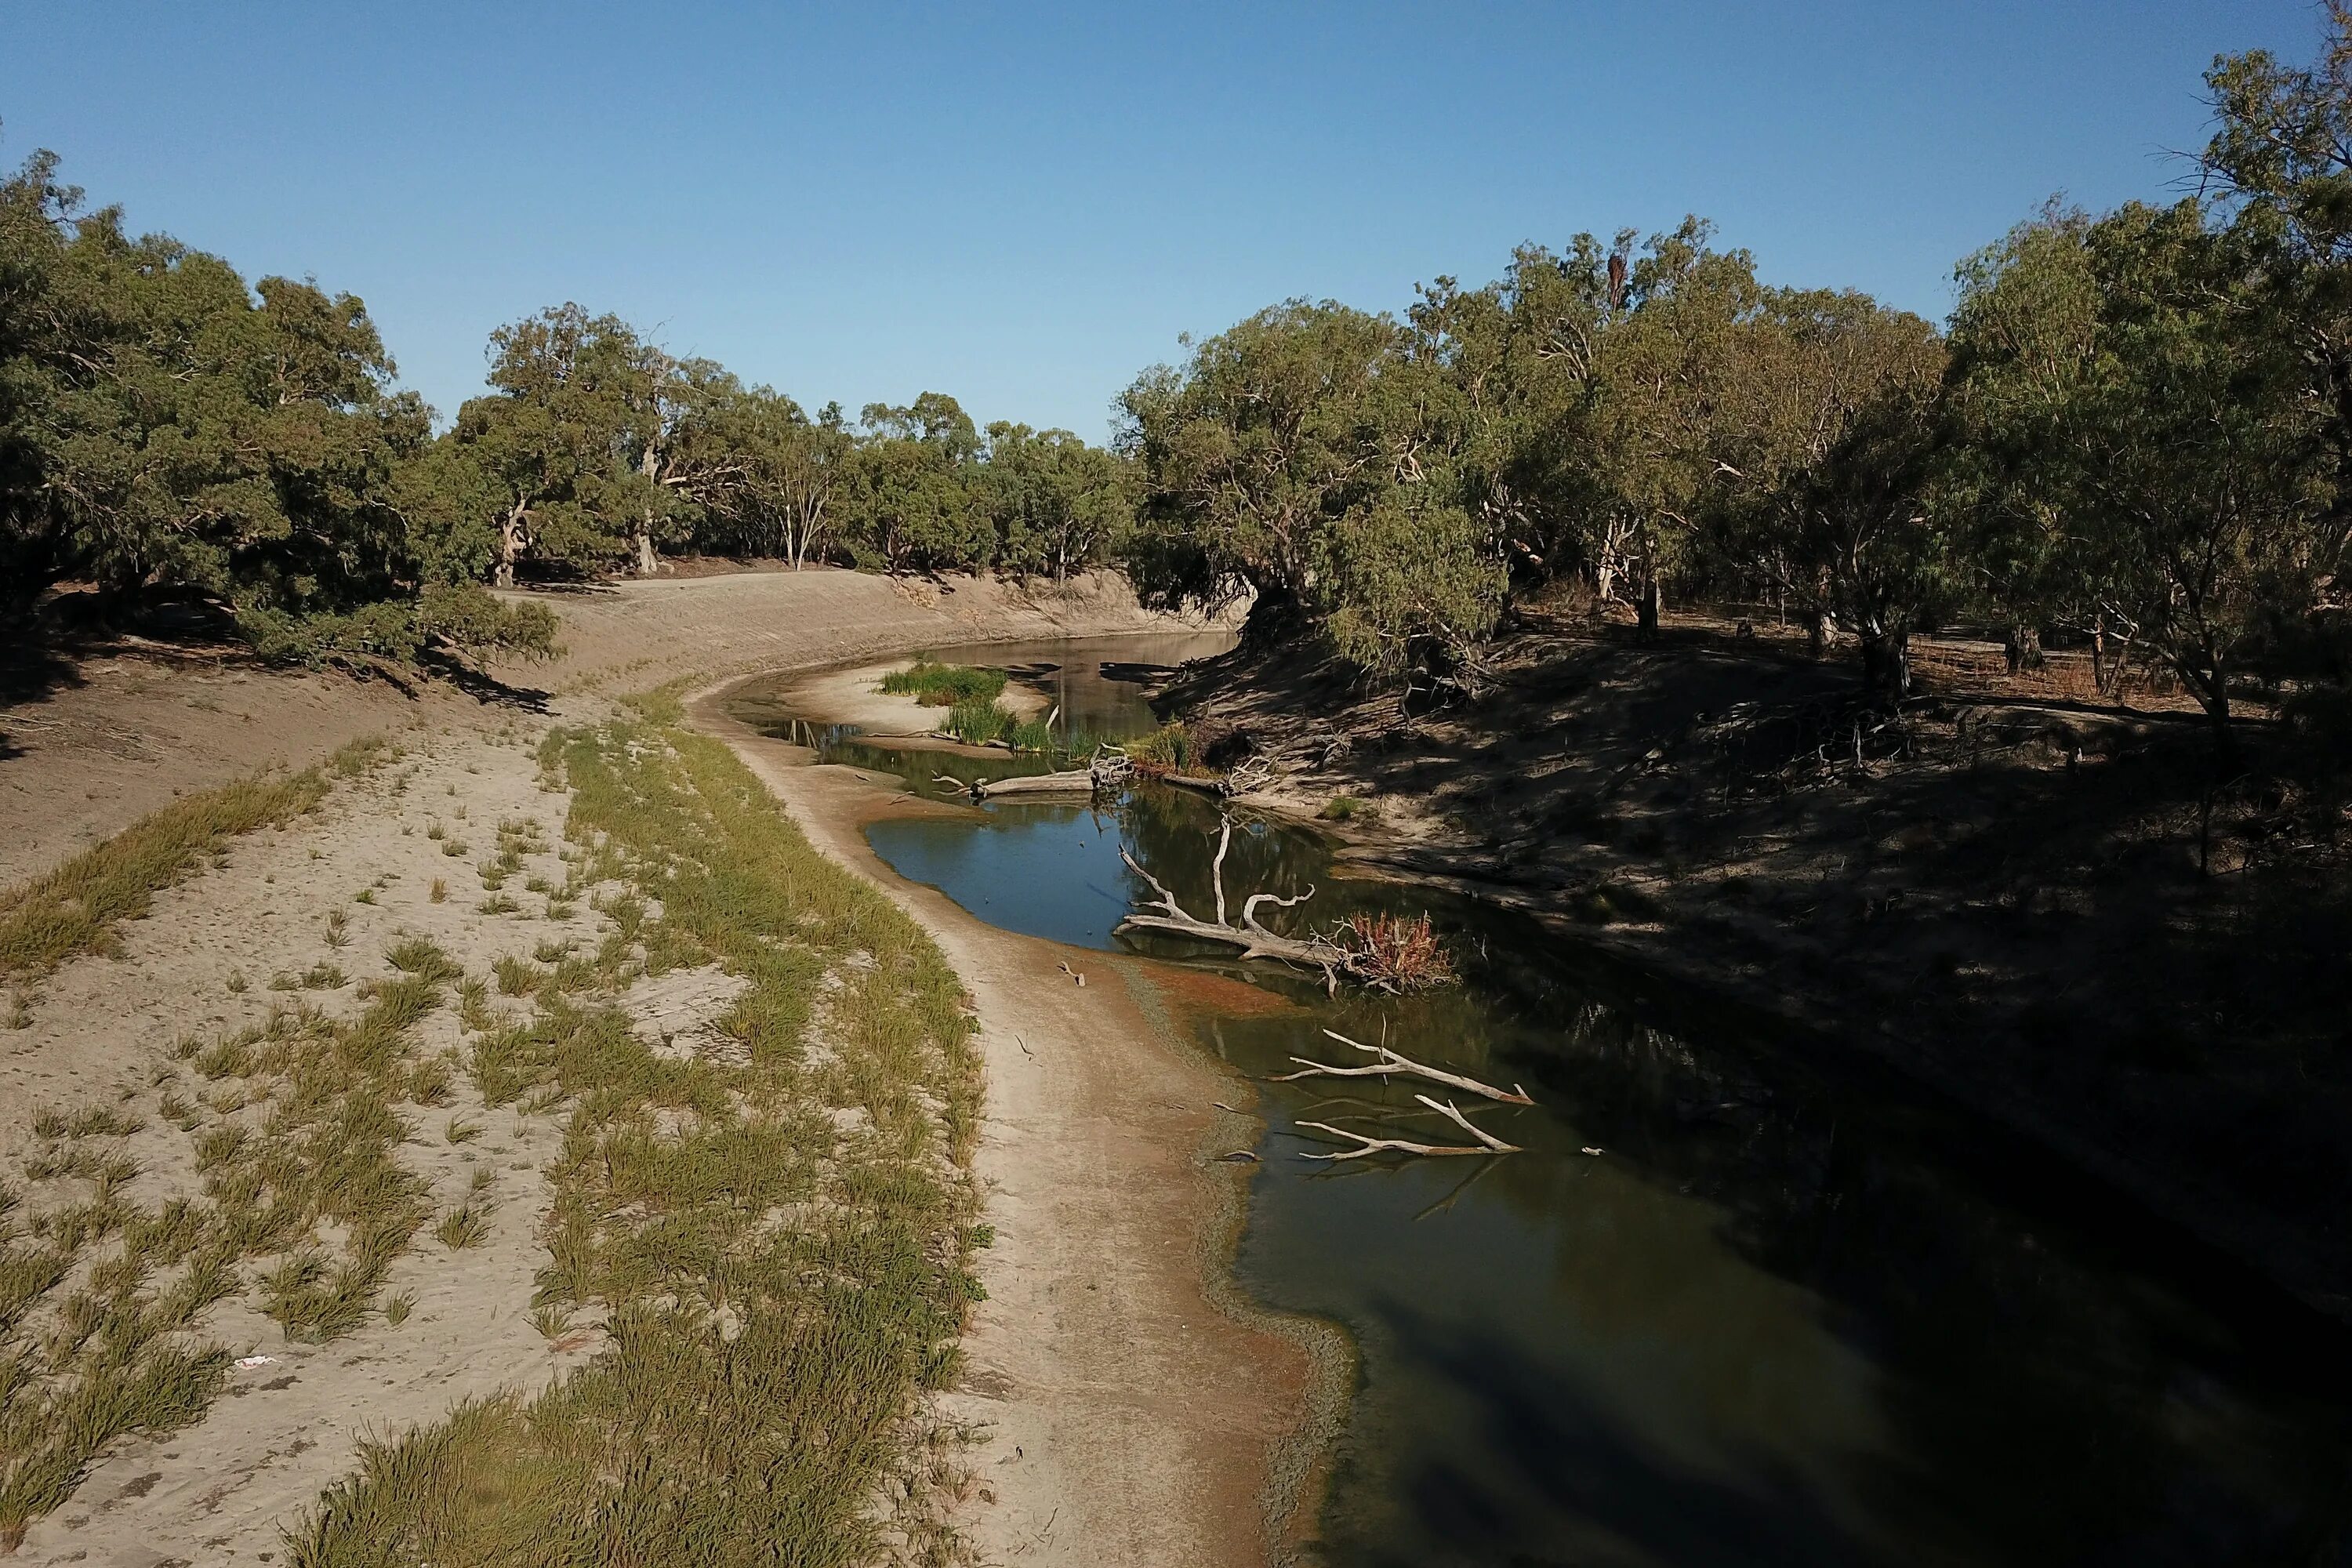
[1342, 952]
[1386, 1063]
[1366, 1144]
[1244, 933]
[1109, 771]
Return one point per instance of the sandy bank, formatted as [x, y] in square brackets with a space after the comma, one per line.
[118, 737]
[1127, 1419]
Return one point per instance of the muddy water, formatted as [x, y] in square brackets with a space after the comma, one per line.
[1790, 1312]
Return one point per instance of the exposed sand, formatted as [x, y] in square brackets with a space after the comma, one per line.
[856, 697]
[131, 733]
[1129, 1421]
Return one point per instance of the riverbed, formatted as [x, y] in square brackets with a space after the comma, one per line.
[1737, 1299]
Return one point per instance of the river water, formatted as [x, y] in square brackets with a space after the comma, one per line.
[1792, 1311]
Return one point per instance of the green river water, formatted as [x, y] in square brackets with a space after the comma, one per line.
[1793, 1312]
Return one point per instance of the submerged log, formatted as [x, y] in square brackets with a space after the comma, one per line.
[1386, 1062]
[1107, 771]
[1366, 1144]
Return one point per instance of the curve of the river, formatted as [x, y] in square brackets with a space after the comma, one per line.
[1786, 1314]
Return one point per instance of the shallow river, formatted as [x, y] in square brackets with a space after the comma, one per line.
[1791, 1312]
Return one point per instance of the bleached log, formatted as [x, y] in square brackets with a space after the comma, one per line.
[1249, 936]
[1076, 781]
[1366, 1144]
[1387, 1062]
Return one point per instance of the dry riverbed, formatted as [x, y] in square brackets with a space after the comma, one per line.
[407, 944]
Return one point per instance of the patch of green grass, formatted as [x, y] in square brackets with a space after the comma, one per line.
[75, 909]
[977, 722]
[416, 956]
[1167, 749]
[945, 685]
[97, 1121]
[1348, 808]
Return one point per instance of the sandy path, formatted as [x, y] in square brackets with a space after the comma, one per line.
[1128, 1420]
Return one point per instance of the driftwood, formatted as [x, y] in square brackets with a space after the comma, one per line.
[1107, 771]
[1386, 1062]
[1366, 1144]
[1244, 933]
[1252, 774]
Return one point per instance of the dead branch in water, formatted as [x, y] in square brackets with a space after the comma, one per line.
[1107, 772]
[1247, 934]
[1487, 1143]
[1387, 1062]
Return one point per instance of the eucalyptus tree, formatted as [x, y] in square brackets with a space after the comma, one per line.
[910, 502]
[2281, 156]
[165, 424]
[769, 475]
[1827, 441]
[559, 442]
[1057, 504]
[1673, 364]
[1251, 449]
[2166, 412]
[1522, 354]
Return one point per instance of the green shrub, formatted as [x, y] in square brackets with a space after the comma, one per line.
[977, 724]
[945, 685]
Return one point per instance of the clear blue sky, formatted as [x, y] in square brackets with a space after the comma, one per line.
[1023, 206]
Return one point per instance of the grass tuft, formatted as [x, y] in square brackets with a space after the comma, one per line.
[75, 909]
[945, 685]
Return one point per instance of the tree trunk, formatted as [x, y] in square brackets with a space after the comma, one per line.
[647, 561]
[1645, 591]
[510, 541]
[1885, 667]
[2023, 648]
[2214, 693]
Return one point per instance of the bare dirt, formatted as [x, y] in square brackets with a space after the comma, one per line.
[1123, 1417]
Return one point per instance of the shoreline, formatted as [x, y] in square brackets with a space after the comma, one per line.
[1138, 1408]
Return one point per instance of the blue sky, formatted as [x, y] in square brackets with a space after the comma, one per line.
[1023, 206]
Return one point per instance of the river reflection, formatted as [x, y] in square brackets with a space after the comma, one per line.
[1783, 1317]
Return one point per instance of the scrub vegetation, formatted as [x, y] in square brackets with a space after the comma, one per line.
[304, 1204]
[771, 1231]
[945, 685]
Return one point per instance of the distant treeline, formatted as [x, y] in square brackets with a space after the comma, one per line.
[167, 430]
[2134, 434]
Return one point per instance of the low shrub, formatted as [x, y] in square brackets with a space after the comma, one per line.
[945, 685]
